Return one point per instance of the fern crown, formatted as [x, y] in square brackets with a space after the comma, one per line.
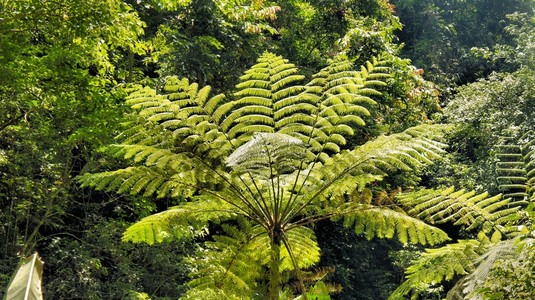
[272, 158]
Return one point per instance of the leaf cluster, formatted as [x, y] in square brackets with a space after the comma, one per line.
[271, 157]
[493, 217]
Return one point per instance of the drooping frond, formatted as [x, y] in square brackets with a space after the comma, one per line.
[301, 244]
[355, 169]
[466, 287]
[490, 214]
[386, 223]
[229, 268]
[437, 265]
[129, 180]
[152, 180]
[172, 128]
[185, 221]
[493, 216]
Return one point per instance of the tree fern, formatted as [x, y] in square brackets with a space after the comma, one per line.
[516, 167]
[492, 216]
[270, 157]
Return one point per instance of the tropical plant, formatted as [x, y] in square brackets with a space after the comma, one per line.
[440, 36]
[265, 166]
[26, 283]
[515, 168]
[56, 74]
[509, 274]
[498, 220]
[494, 118]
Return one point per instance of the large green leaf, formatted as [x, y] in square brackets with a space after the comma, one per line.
[26, 284]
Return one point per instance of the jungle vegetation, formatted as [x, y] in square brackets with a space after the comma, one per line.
[254, 149]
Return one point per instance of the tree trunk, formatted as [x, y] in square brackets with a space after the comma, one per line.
[275, 281]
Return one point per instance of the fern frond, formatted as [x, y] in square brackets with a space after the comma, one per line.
[438, 265]
[142, 97]
[515, 168]
[187, 111]
[230, 267]
[185, 221]
[152, 180]
[466, 287]
[385, 223]
[461, 208]
[130, 180]
[302, 243]
[374, 159]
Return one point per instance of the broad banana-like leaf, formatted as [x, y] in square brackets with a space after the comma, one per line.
[26, 284]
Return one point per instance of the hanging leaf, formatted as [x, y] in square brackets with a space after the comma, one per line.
[26, 284]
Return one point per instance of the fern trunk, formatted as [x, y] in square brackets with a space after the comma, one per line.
[275, 281]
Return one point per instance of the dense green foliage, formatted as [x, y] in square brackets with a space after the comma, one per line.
[493, 148]
[56, 106]
[269, 159]
[67, 66]
[441, 36]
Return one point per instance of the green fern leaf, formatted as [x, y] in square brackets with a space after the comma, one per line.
[460, 208]
[386, 223]
[182, 222]
[437, 265]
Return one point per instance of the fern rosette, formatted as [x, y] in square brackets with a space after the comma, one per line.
[265, 164]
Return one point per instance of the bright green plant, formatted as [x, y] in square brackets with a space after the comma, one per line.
[509, 274]
[192, 40]
[57, 69]
[265, 165]
[497, 219]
